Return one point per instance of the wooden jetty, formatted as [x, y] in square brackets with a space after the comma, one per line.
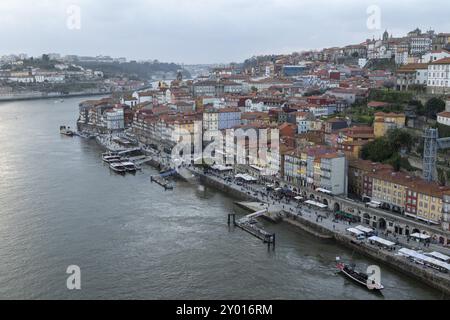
[248, 224]
[162, 182]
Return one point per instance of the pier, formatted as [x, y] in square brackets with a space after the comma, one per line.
[162, 182]
[249, 224]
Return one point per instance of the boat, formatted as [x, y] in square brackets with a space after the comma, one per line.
[118, 167]
[66, 131]
[129, 166]
[110, 159]
[358, 276]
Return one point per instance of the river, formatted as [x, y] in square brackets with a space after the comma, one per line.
[60, 206]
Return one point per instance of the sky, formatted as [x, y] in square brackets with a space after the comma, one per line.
[205, 31]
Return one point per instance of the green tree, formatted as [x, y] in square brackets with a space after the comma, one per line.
[433, 107]
[378, 150]
[400, 138]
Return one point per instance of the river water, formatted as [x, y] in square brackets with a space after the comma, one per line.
[60, 206]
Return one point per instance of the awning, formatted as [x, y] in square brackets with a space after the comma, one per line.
[412, 254]
[316, 204]
[323, 190]
[298, 198]
[355, 231]
[364, 229]
[221, 168]
[245, 177]
[346, 214]
[423, 258]
[439, 256]
[420, 236]
[382, 241]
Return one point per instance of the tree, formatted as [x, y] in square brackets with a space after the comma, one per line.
[378, 150]
[433, 107]
[400, 138]
[395, 161]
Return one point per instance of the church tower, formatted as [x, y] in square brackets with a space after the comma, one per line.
[385, 36]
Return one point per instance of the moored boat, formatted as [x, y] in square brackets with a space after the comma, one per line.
[110, 157]
[358, 276]
[129, 166]
[118, 167]
[66, 131]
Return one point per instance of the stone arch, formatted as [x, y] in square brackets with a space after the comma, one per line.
[441, 240]
[366, 218]
[325, 201]
[312, 197]
[382, 224]
[415, 230]
[337, 207]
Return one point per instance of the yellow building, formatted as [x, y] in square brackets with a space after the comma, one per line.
[429, 201]
[387, 121]
[389, 188]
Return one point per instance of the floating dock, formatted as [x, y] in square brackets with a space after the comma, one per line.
[249, 224]
[162, 182]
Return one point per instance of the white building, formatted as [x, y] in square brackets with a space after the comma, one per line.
[420, 44]
[115, 119]
[444, 118]
[435, 55]
[303, 121]
[333, 176]
[439, 76]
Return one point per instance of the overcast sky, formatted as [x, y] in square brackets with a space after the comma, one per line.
[203, 31]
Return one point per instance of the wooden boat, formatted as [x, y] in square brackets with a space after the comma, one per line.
[358, 277]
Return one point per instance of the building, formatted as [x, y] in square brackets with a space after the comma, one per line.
[446, 212]
[412, 196]
[424, 201]
[389, 188]
[220, 119]
[334, 124]
[294, 70]
[420, 44]
[212, 88]
[115, 119]
[435, 55]
[440, 41]
[333, 177]
[411, 74]
[439, 76]
[359, 180]
[444, 118]
[303, 120]
[387, 121]
[351, 140]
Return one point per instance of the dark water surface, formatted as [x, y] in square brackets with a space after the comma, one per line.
[60, 206]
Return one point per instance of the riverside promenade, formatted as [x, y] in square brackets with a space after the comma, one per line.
[321, 223]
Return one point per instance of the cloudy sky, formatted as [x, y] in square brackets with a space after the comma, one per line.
[204, 31]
